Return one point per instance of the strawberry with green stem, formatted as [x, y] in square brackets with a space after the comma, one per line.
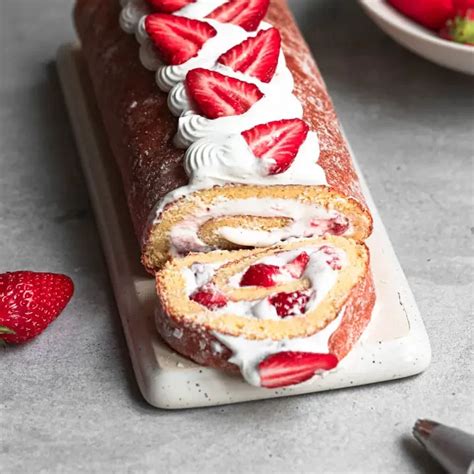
[460, 29]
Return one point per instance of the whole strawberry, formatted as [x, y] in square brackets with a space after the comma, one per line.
[29, 302]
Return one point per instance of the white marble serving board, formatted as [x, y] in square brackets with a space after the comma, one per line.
[394, 345]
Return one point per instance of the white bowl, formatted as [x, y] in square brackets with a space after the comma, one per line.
[455, 56]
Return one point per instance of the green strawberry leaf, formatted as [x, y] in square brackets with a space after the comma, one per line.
[5, 330]
[462, 30]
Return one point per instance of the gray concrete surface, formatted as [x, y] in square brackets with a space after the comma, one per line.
[68, 400]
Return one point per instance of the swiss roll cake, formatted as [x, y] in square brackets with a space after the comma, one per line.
[238, 179]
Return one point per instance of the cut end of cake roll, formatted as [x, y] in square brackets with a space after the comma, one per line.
[247, 216]
[280, 315]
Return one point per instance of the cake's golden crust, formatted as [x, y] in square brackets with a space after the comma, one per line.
[140, 127]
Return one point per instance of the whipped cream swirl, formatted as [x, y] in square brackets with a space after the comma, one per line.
[132, 12]
[192, 126]
[228, 159]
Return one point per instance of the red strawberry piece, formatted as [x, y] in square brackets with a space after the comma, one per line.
[297, 266]
[333, 257]
[256, 56]
[246, 13]
[289, 304]
[430, 13]
[261, 274]
[29, 302]
[338, 226]
[277, 141]
[168, 6]
[216, 95]
[177, 38]
[209, 297]
[289, 368]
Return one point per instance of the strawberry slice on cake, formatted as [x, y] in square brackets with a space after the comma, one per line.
[256, 56]
[216, 95]
[290, 368]
[209, 297]
[29, 302]
[246, 13]
[168, 6]
[277, 142]
[279, 315]
[177, 39]
[263, 274]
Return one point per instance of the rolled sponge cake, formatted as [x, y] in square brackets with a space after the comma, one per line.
[141, 128]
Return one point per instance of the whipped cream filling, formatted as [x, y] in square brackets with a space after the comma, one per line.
[167, 76]
[307, 220]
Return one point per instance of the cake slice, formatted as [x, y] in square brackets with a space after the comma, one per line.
[279, 315]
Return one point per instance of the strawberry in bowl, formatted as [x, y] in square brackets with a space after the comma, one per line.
[29, 302]
[451, 19]
[460, 28]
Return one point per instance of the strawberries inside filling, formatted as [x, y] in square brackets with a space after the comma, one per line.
[286, 304]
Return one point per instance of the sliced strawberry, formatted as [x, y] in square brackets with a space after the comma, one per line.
[168, 6]
[209, 297]
[430, 13]
[289, 304]
[217, 95]
[246, 13]
[289, 368]
[297, 266]
[460, 29]
[177, 38]
[277, 142]
[256, 56]
[261, 274]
